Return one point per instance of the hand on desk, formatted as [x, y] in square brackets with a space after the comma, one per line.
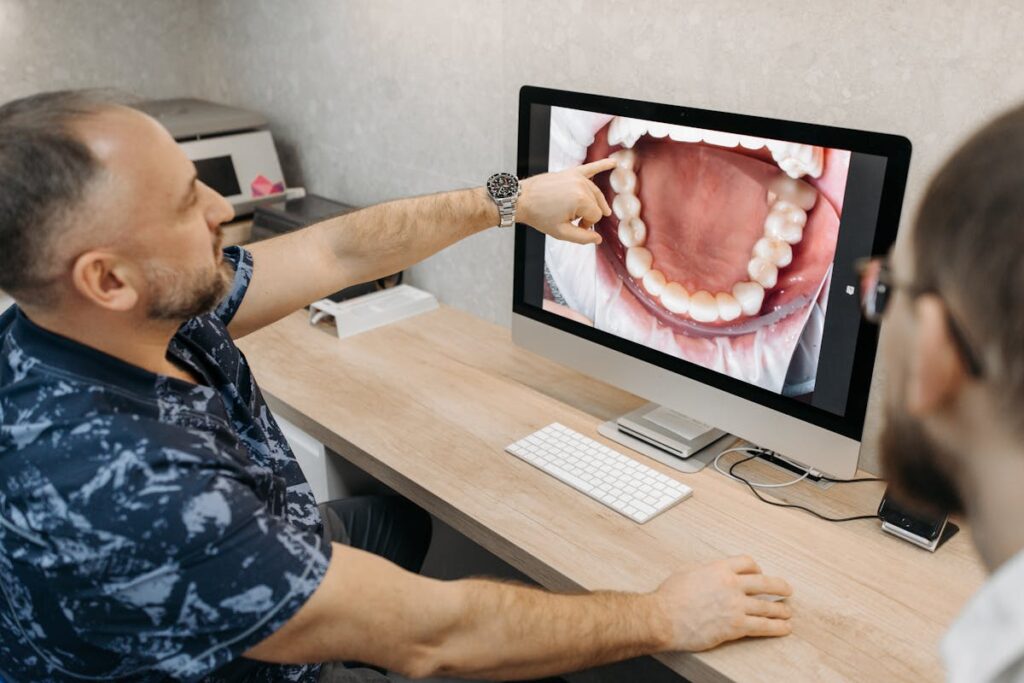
[714, 604]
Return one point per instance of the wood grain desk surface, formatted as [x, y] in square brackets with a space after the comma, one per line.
[427, 405]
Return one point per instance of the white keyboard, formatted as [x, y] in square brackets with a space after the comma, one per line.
[634, 490]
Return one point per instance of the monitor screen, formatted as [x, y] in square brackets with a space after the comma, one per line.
[729, 255]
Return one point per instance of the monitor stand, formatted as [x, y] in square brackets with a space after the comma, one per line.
[668, 437]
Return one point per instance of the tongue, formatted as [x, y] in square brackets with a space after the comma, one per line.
[704, 208]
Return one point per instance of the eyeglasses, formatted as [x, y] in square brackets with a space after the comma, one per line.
[877, 285]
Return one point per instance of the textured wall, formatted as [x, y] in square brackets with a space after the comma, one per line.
[375, 100]
[145, 47]
[390, 98]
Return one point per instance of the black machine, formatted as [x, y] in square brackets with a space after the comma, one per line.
[912, 526]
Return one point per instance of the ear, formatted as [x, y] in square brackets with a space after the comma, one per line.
[936, 372]
[106, 280]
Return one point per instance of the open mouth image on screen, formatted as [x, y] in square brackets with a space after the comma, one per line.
[719, 249]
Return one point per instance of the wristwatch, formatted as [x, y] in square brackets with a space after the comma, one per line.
[504, 191]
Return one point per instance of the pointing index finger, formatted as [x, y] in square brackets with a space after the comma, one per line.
[594, 167]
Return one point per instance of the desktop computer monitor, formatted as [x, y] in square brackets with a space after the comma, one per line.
[725, 286]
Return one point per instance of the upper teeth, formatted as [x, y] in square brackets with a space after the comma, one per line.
[795, 159]
[789, 202]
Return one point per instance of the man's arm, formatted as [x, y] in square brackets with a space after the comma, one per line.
[370, 610]
[292, 270]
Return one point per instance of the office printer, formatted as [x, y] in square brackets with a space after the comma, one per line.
[232, 149]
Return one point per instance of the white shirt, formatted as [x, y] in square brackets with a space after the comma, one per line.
[986, 643]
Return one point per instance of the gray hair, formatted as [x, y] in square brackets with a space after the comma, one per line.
[45, 171]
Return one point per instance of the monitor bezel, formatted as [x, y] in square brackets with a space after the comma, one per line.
[895, 148]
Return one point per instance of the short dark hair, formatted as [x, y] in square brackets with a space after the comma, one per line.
[44, 173]
[968, 245]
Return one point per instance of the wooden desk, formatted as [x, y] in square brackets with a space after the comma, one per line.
[427, 405]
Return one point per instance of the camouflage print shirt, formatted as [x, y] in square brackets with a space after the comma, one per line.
[151, 529]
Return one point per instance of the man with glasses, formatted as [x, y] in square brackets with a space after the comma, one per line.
[953, 299]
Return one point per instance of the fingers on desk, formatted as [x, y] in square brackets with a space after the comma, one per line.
[743, 564]
[756, 607]
[765, 627]
[754, 584]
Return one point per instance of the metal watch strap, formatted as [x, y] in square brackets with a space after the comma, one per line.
[507, 211]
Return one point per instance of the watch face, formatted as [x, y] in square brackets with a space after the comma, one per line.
[502, 185]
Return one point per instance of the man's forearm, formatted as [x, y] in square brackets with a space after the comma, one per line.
[387, 238]
[294, 269]
[505, 631]
[369, 609]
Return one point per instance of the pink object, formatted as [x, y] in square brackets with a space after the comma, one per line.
[262, 186]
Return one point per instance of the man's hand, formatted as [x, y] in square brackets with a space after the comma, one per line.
[714, 604]
[552, 201]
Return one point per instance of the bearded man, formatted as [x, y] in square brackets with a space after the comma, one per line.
[953, 299]
[154, 524]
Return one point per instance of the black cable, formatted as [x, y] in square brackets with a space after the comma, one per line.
[850, 481]
[820, 477]
[792, 505]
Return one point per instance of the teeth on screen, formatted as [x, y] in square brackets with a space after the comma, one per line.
[622, 180]
[749, 142]
[750, 296]
[626, 205]
[703, 307]
[654, 282]
[792, 190]
[797, 160]
[728, 306]
[794, 159]
[656, 129]
[684, 133]
[625, 132]
[776, 251]
[763, 272]
[632, 232]
[625, 158]
[788, 198]
[713, 137]
[779, 226]
[675, 298]
[638, 261]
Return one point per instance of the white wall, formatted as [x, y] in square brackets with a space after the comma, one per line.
[379, 99]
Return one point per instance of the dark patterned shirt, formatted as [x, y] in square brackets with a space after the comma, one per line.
[150, 529]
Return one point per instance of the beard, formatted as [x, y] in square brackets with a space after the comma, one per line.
[918, 468]
[182, 295]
